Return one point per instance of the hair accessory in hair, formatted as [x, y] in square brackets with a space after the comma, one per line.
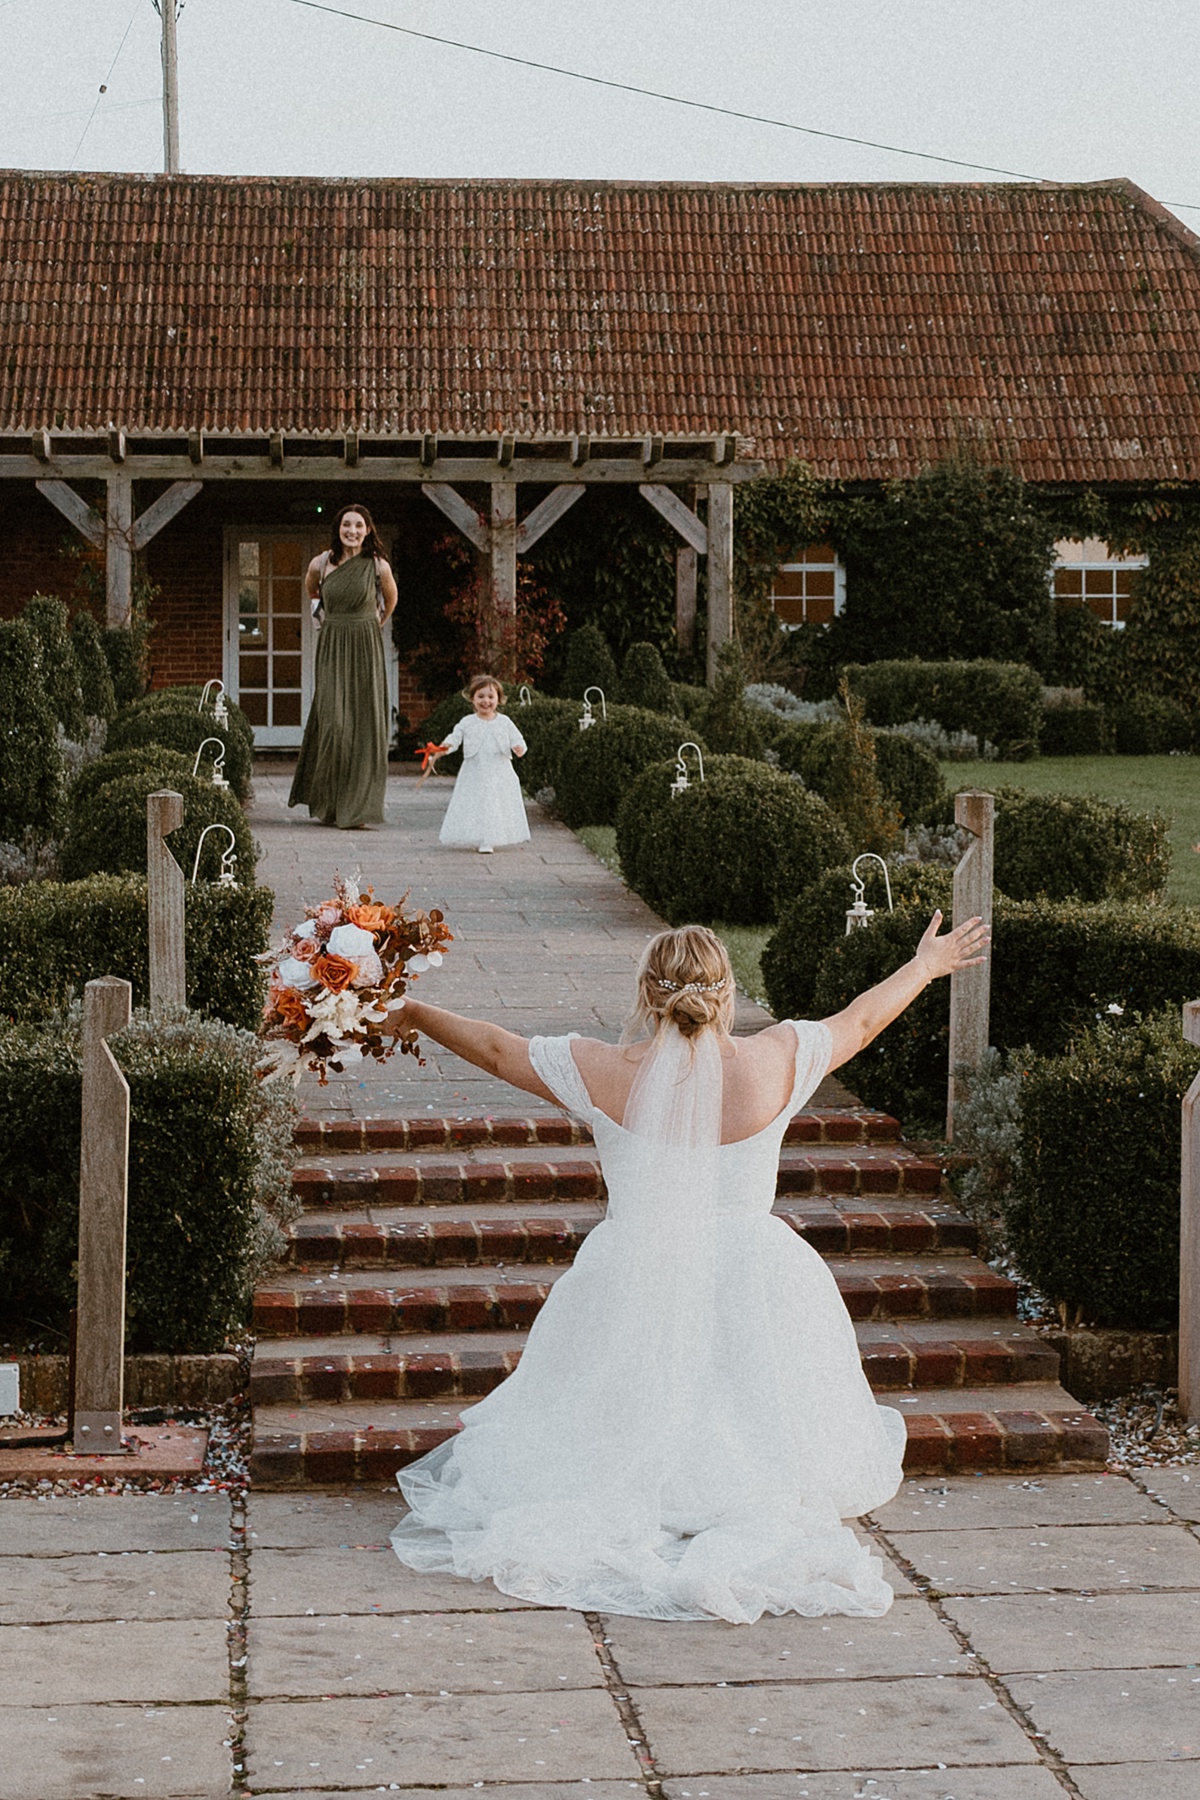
[689, 987]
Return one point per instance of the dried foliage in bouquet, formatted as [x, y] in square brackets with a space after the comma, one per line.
[337, 983]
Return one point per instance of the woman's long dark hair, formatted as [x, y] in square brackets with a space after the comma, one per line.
[371, 545]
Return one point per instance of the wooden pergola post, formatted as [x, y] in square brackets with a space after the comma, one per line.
[970, 989]
[118, 533]
[165, 901]
[1189, 1234]
[720, 570]
[103, 1201]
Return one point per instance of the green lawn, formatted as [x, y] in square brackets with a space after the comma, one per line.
[1171, 783]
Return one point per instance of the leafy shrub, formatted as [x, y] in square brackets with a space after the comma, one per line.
[730, 846]
[176, 725]
[909, 775]
[589, 664]
[1094, 1217]
[31, 771]
[689, 703]
[1073, 846]
[168, 768]
[48, 619]
[769, 697]
[992, 700]
[107, 836]
[1150, 725]
[731, 727]
[55, 937]
[189, 695]
[209, 1178]
[597, 766]
[1057, 966]
[34, 858]
[840, 765]
[644, 681]
[947, 746]
[547, 726]
[1074, 729]
[95, 678]
[124, 648]
[811, 923]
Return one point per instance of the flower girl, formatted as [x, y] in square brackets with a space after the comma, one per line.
[486, 807]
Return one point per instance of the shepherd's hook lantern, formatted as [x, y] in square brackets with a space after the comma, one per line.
[218, 768]
[681, 783]
[860, 914]
[586, 717]
[217, 700]
[226, 878]
[524, 697]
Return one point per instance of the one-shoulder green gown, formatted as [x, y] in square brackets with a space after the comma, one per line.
[342, 773]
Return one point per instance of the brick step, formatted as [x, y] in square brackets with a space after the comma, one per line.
[859, 1125]
[480, 1232]
[1030, 1426]
[464, 1365]
[494, 1296]
[358, 1181]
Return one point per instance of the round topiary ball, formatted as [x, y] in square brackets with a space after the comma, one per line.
[169, 767]
[589, 664]
[548, 726]
[176, 725]
[95, 679]
[189, 695]
[597, 766]
[108, 836]
[49, 621]
[732, 847]
[910, 775]
[644, 680]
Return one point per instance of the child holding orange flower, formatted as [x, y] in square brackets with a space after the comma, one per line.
[486, 807]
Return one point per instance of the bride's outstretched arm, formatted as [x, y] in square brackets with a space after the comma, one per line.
[478, 1041]
[865, 1017]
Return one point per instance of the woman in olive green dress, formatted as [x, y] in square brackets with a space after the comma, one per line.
[342, 773]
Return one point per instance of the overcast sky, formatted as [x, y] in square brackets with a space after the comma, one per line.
[1072, 90]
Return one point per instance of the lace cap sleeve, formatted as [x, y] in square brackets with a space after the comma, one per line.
[453, 740]
[814, 1052]
[552, 1060]
[515, 740]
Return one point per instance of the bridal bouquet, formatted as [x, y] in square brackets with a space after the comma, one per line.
[337, 982]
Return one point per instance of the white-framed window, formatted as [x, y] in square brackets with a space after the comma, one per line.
[810, 588]
[1086, 573]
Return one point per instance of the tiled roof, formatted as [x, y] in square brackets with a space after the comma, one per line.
[859, 326]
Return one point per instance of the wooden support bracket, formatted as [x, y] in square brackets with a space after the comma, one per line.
[546, 513]
[506, 449]
[460, 512]
[73, 506]
[581, 450]
[665, 501]
[160, 512]
[429, 449]
[116, 443]
[350, 449]
[276, 449]
[39, 444]
[196, 447]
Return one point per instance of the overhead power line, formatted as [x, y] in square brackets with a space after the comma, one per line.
[707, 106]
[103, 90]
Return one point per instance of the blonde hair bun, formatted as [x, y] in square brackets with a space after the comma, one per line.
[684, 978]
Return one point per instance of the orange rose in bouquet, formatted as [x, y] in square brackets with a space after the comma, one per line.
[334, 972]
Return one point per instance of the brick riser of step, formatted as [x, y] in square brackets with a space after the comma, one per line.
[325, 1242]
[343, 1136]
[939, 1442]
[498, 1301]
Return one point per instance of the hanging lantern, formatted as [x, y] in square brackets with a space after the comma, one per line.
[860, 914]
[681, 783]
[524, 697]
[226, 877]
[587, 717]
[218, 768]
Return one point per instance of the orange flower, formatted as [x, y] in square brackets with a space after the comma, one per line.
[334, 972]
[370, 916]
[290, 1006]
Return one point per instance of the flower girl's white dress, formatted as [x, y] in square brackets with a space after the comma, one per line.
[689, 1423]
[486, 806]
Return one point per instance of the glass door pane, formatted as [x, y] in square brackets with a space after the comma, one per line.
[270, 637]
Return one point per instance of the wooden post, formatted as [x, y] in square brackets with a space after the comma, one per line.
[118, 557]
[103, 1187]
[504, 567]
[720, 569]
[970, 989]
[1189, 1234]
[164, 877]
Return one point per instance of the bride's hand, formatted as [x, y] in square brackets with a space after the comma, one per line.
[961, 948]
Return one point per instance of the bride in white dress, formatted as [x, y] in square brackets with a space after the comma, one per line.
[689, 1423]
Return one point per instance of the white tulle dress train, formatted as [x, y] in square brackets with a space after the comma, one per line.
[689, 1424]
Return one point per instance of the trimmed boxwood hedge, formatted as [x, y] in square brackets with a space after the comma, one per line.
[168, 767]
[209, 1179]
[49, 620]
[909, 775]
[170, 719]
[730, 846]
[1056, 967]
[1073, 846]
[1075, 731]
[548, 726]
[1150, 725]
[1093, 1220]
[596, 767]
[31, 765]
[95, 678]
[125, 652]
[993, 700]
[589, 663]
[57, 936]
[644, 680]
[106, 834]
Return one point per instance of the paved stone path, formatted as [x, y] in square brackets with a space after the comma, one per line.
[546, 938]
[1043, 1642]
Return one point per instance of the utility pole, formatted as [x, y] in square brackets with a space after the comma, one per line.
[170, 68]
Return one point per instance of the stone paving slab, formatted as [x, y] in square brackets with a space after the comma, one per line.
[548, 1790]
[320, 1521]
[179, 1661]
[1155, 1781]
[515, 1652]
[74, 1752]
[1127, 1715]
[295, 1583]
[433, 1741]
[1017, 1782]
[113, 1522]
[188, 1584]
[1177, 1488]
[907, 1723]
[948, 1503]
[1072, 1631]
[911, 1640]
[1033, 1558]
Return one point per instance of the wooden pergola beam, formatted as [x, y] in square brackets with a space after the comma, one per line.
[460, 512]
[546, 513]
